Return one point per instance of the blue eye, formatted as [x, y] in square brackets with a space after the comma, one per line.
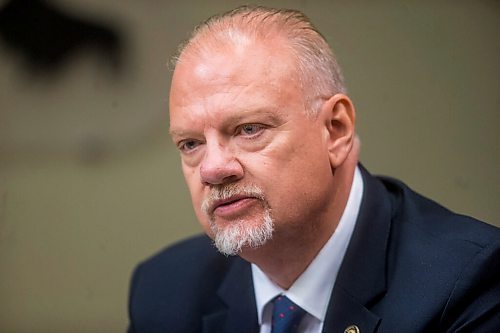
[250, 129]
[188, 145]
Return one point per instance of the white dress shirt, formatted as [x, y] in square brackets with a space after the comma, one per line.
[312, 290]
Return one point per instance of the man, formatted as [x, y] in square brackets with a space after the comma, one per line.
[306, 237]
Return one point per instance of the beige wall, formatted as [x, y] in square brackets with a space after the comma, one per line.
[90, 183]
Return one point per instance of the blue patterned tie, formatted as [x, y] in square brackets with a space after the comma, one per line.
[286, 315]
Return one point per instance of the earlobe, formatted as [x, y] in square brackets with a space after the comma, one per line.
[339, 119]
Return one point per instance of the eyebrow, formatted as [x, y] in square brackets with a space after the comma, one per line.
[243, 114]
[270, 114]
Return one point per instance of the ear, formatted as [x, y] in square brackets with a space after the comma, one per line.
[339, 117]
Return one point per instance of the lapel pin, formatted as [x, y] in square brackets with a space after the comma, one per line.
[352, 329]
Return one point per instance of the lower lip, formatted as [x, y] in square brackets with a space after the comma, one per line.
[235, 208]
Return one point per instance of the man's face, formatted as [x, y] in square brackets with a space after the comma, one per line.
[252, 158]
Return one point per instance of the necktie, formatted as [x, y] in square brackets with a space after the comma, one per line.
[286, 315]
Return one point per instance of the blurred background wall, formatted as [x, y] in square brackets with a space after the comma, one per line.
[90, 183]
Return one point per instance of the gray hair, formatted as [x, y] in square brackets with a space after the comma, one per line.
[318, 71]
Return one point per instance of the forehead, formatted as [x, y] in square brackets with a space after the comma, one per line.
[243, 60]
[252, 73]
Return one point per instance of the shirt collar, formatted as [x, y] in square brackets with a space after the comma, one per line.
[312, 290]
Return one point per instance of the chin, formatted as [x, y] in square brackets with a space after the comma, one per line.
[233, 237]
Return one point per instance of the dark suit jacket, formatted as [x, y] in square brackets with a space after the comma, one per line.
[411, 266]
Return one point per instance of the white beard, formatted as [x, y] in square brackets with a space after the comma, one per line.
[230, 239]
[233, 236]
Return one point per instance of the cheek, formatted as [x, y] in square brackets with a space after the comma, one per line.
[191, 176]
[197, 197]
[196, 190]
[293, 173]
[294, 155]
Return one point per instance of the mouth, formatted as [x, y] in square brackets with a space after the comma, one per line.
[231, 206]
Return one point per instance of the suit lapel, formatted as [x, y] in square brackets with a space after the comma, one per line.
[237, 293]
[362, 276]
[345, 311]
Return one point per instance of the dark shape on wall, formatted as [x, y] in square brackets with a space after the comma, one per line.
[47, 37]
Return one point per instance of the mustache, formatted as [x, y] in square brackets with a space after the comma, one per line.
[224, 192]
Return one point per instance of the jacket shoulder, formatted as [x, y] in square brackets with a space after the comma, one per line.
[447, 264]
[181, 279]
[435, 220]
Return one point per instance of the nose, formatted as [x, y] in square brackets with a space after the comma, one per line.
[219, 165]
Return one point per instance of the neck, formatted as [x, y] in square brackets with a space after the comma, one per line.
[284, 258]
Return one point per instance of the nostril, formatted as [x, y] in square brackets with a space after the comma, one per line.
[219, 164]
[228, 172]
[231, 179]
